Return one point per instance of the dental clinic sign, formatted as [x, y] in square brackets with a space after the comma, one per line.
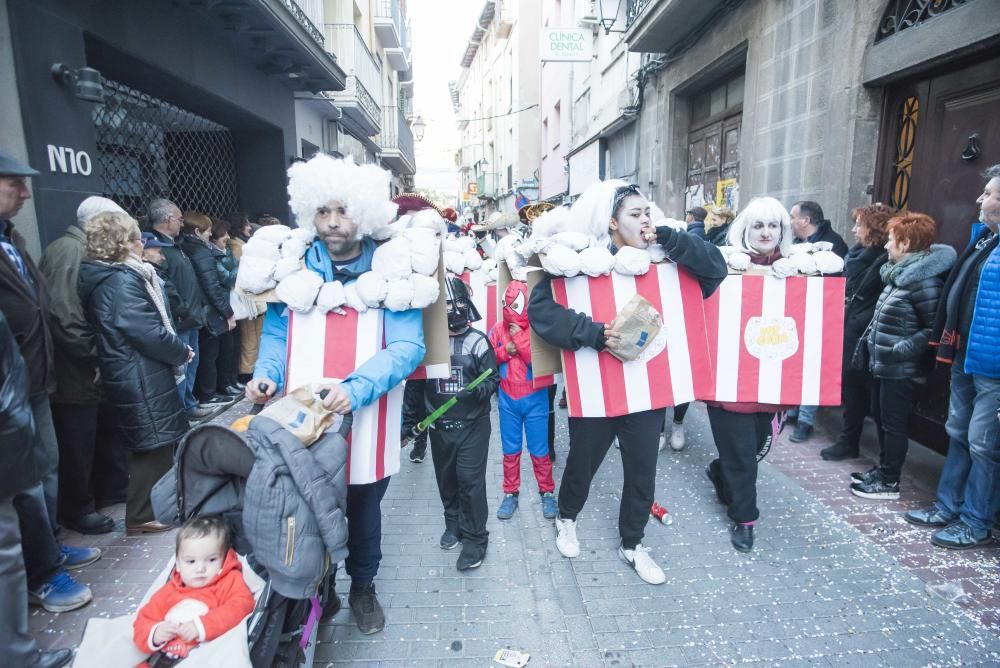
[567, 45]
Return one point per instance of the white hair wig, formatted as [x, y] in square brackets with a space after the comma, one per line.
[363, 189]
[761, 209]
[593, 210]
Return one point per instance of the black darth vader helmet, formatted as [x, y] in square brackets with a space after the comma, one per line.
[461, 311]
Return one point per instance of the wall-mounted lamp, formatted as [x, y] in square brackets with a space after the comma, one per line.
[86, 80]
[609, 10]
[418, 126]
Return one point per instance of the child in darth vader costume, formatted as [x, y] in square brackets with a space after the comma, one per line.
[460, 438]
[523, 408]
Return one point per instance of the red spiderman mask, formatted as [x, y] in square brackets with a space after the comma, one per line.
[515, 304]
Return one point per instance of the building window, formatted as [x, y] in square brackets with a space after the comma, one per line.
[720, 99]
[909, 113]
[901, 15]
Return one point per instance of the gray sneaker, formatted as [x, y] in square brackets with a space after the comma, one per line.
[959, 536]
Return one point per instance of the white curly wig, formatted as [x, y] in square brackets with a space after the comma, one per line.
[592, 211]
[363, 189]
[765, 209]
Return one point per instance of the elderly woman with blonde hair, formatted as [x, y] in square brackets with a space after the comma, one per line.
[140, 356]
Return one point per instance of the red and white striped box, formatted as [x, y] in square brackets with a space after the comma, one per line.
[486, 301]
[674, 369]
[777, 341]
[328, 348]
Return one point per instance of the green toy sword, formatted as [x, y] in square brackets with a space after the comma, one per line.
[443, 408]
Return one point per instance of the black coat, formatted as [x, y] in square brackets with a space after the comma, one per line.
[718, 235]
[189, 311]
[864, 284]
[215, 294]
[904, 315]
[17, 431]
[137, 355]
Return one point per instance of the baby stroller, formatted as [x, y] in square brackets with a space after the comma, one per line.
[211, 467]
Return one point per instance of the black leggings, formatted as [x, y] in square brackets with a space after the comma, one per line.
[589, 440]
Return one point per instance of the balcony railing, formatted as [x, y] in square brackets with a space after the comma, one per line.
[633, 9]
[306, 16]
[364, 80]
[488, 185]
[388, 12]
[396, 134]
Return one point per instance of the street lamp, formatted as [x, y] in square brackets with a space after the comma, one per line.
[418, 126]
[610, 10]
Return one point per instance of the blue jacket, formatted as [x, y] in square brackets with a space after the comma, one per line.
[404, 335]
[982, 356]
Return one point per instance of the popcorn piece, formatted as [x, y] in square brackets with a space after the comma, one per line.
[425, 290]
[573, 240]
[828, 262]
[656, 253]
[399, 295]
[738, 260]
[372, 288]
[293, 248]
[472, 259]
[804, 247]
[299, 290]
[255, 247]
[256, 275]
[454, 261]
[783, 268]
[392, 259]
[729, 250]
[272, 234]
[819, 246]
[353, 299]
[804, 263]
[560, 261]
[285, 267]
[425, 249]
[596, 261]
[331, 296]
[632, 261]
[303, 235]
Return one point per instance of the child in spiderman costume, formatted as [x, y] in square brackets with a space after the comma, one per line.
[523, 407]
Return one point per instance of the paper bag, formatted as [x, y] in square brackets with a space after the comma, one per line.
[302, 413]
[637, 324]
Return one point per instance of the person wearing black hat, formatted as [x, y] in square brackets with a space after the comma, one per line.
[695, 220]
[460, 439]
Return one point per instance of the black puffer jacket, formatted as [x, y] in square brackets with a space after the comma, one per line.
[189, 311]
[17, 426]
[137, 355]
[215, 294]
[904, 315]
[864, 284]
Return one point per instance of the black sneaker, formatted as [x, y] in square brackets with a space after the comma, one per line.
[741, 536]
[876, 487]
[864, 476]
[367, 611]
[840, 451]
[417, 454]
[449, 541]
[471, 557]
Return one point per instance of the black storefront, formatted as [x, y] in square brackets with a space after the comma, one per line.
[195, 101]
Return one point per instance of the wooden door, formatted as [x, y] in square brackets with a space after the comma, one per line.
[939, 134]
[714, 154]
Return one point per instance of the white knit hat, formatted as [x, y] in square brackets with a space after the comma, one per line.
[94, 205]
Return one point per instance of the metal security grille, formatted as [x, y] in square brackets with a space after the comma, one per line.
[148, 148]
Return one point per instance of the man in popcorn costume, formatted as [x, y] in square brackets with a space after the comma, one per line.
[523, 409]
[334, 261]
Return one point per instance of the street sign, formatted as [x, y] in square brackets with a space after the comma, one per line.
[566, 45]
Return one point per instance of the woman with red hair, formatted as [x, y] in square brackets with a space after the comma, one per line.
[897, 342]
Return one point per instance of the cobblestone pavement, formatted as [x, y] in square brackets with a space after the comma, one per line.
[832, 581]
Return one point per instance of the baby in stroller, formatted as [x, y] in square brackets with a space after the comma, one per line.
[205, 596]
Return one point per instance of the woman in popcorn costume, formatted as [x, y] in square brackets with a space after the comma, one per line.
[608, 229]
[760, 241]
[331, 262]
[523, 408]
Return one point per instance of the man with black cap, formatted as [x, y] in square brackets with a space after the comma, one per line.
[460, 439]
[23, 512]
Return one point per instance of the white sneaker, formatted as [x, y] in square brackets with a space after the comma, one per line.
[676, 437]
[566, 540]
[663, 443]
[616, 444]
[643, 564]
